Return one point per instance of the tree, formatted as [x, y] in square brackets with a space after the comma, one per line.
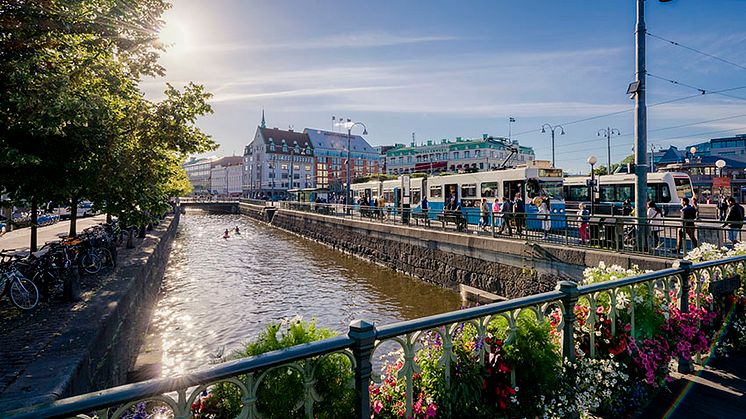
[71, 111]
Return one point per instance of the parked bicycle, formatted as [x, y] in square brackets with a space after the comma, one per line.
[23, 293]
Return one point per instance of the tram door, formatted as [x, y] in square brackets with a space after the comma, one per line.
[512, 188]
[451, 190]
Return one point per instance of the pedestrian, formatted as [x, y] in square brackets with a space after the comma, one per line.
[688, 215]
[544, 216]
[484, 212]
[496, 213]
[733, 220]
[584, 216]
[722, 207]
[424, 205]
[506, 215]
[460, 218]
[519, 213]
[655, 219]
[627, 208]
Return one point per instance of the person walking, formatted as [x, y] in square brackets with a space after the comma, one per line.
[584, 216]
[506, 215]
[424, 205]
[688, 215]
[484, 212]
[519, 213]
[496, 216]
[655, 219]
[733, 219]
[544, 216]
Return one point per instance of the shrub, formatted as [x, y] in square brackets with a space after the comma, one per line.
[282, 389]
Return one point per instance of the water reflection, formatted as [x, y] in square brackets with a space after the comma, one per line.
[218, 293]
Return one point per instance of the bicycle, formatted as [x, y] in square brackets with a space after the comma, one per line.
[23, 293]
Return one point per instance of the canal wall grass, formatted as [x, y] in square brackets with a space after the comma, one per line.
[94, 343]
[509, 268]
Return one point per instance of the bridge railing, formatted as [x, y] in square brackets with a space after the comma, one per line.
[664, 237]
[208, 200]
[364, 341]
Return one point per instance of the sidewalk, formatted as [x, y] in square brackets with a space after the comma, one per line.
[19, 240]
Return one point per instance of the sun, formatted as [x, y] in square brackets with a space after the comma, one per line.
[175, 35]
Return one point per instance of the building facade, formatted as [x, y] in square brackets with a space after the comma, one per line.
[277, 160]
[330, 152]
[199, 171]
[226, 176]
[457, 156]
[728, 147]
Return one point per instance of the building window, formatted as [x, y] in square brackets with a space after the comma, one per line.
[308, 168]
[455, 155]
[284, 166]
[466, 154]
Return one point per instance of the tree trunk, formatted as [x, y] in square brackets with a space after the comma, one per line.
[141, 232]
[108, 218]
[34, 227]
[131, 239]
[73, 217]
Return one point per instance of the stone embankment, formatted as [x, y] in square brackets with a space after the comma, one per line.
[508, 268]
[64, 349]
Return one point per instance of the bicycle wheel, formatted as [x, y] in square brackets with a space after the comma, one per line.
[106, 257]
[90, 263]
[23, 293]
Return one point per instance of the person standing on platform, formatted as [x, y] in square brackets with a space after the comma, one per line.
[519, 214]
[688, 215]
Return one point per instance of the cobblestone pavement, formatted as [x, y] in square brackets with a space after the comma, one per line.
[26, 335]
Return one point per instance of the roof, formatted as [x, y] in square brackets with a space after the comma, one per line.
[328, 140]
[228, 161]
[672, 155]
[291, 138]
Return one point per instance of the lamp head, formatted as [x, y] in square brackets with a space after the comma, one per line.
[720, 163]
[543, 131]
[563, 131]
[693, 150]
[365, 131]
[592, 160]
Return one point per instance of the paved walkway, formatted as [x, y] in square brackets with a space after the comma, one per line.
[19, 240]
[716, 391]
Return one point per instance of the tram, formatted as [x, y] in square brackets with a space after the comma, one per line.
[529, 182]
[666, 189]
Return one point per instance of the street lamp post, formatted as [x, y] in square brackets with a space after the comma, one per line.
[592, 187]
[552, 129]
[349, 126]
[720, 164]
[608, 132]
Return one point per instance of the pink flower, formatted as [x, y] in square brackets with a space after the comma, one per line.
[377, 406]
[431, 410]
[600, 310]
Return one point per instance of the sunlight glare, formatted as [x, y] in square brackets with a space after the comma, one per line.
[175, 34]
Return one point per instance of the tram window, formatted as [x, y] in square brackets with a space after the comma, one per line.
[532, 188]
[469, 191]
[436, 192]
[607, 193]
[489, 189]
[624, 192]
[577, 193]
[665, 195]
[416, 195]
[683, 187]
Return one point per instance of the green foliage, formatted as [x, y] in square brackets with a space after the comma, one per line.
[282, 388]
[73, 122]
[536, 359]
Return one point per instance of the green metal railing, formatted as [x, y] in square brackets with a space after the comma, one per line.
[364, 339]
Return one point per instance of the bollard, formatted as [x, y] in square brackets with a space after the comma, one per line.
[71, 287]
[685, 365]
[364, 335]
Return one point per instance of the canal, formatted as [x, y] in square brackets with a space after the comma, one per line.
[218, 293]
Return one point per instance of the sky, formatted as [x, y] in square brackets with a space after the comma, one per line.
[444, 69]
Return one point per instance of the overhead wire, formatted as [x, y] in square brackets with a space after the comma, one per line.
[715, 57]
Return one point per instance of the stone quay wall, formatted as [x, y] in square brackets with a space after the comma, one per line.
[101, 339]
[506, 267]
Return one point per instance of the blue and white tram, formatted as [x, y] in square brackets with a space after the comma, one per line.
[529, 182]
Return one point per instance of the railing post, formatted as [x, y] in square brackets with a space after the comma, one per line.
[570, 298]
[685, 364]
[364, 336]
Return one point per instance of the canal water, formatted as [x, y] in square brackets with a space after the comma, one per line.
[218, 293]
